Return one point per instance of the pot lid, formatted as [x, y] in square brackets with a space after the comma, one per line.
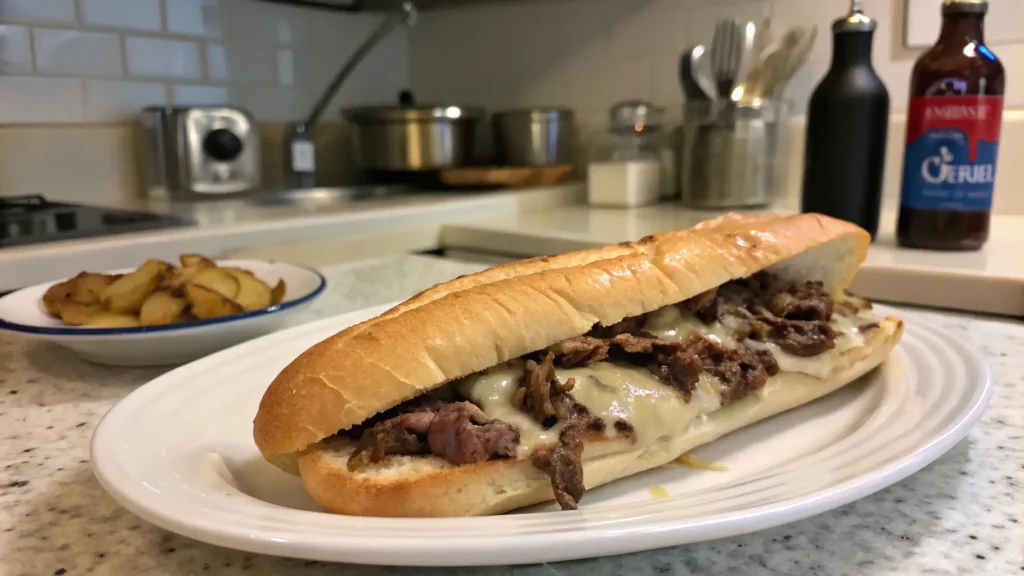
[389, 113]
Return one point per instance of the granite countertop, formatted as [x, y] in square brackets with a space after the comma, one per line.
[961, 515]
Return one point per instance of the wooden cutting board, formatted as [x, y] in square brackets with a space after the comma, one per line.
[512, 176]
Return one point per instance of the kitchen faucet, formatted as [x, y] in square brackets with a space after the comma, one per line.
[301, 152]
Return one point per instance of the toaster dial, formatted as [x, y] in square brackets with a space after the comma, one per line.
[222, 144]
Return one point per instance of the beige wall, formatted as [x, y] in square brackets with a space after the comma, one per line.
[586, 54]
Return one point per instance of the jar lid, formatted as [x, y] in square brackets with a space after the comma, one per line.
[635, 115]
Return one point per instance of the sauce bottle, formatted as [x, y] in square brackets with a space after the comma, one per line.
[847, 123]
[953, 122]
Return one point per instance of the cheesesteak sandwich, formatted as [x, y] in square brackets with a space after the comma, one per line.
[541, 378]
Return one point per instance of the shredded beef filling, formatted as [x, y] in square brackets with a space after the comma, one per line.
[562, 461]
[678, 364]
[793, 316]
[542, 396]
[459, 432]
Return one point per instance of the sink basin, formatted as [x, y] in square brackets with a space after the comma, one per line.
[320, 197]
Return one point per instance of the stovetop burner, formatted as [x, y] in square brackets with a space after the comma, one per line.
[34, 219]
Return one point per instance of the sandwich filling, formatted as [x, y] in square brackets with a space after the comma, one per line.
[624, 385]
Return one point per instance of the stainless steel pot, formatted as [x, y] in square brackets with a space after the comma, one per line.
[411, 138]
[533, 137]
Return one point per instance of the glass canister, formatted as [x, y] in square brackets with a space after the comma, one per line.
[628, 162]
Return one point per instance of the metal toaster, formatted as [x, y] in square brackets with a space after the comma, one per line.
[198, 151]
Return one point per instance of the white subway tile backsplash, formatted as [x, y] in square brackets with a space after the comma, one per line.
[274, 104]
[62, 51]
[266, 23]
[30, 100]
[159, 57]
[41, 11]
[242, 64]
[187, 95]
[133, 14]
[285, 67]
[194, 17]
[15, 49]
[216, 62]
[108, 101]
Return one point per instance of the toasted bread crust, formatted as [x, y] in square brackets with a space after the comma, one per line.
[474, 322]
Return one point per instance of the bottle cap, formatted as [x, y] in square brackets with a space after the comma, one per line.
[855, 21]
[964, 6]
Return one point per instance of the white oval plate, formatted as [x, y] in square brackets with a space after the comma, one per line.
[22, 311]
[179, 453]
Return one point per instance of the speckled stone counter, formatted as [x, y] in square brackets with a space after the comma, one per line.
[961, 515]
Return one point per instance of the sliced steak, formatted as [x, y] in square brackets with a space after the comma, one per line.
[794, 316]
[674, 363]
[707, 306]
[799, 337]
[629, 325]
[401, 435]
[805, 301]
[462, 434]
[579, 351]
[459, 432]
[541, 395]
[739, 370]
[563, 463]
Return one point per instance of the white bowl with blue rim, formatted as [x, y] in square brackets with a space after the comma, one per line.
[22, 311]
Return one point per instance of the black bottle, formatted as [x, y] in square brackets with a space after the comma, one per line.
[847, 122]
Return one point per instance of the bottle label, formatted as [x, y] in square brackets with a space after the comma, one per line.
[950, 160]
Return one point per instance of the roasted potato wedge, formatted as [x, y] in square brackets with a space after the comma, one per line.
[208, 303]
[84, 289]
[76, 313]
[54, 296]
[161, 308]
[253, 293]
[277, 294]
[126, 294]
[196, 261]
[106, 319]
[177, 277]
[218, 280]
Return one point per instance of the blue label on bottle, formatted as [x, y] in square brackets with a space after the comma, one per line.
[950, 160]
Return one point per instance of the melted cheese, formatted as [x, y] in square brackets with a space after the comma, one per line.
[614, 391]
[677, 324]
[609, 390]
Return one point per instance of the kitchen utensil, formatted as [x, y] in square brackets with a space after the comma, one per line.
[412, 138]
[514, 176]
[196, 151]
[733, 49]
[731, 153]
[726, 44]
[695, 75]
[215, 487]
[301, 153]
[533, 137]
[776, 65]
[796, 57]
[22, 312]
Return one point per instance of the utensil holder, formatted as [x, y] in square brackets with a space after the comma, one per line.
[731, 154]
